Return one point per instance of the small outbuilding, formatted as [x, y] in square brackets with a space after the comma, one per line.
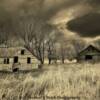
[89, 54]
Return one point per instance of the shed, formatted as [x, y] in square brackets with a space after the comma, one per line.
[89, 54]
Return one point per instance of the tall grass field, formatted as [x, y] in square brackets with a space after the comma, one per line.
[65, 81]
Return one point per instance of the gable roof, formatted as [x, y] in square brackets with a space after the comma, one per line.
[90, 47]
[10, 51]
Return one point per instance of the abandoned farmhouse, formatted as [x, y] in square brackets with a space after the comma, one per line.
[89, 54]
[17, 57]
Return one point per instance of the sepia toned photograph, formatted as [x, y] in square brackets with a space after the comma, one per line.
[49, 49]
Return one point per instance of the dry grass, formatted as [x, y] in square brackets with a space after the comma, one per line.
[82, 80]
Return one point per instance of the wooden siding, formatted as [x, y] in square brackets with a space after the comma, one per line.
[22, 60]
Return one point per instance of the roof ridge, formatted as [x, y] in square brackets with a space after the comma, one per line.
[91, 45]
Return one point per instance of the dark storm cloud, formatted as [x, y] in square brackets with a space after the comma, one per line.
[41, 8]
[94, 2]
[45, 9]
[56, 7]
[87, 25]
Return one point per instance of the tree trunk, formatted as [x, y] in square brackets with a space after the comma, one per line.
[49, 61]
[63, 61]
[42, 62]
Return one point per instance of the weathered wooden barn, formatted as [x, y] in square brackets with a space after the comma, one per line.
[18, 57]
[89, 54]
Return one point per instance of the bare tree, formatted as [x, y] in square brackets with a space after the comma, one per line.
[62, 46]
[52, 46]
[6, 32]
[78, 45]
[63, 53]
[51, 50]
[34, 32]
[4, 36]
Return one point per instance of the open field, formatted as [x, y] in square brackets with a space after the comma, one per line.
[69, 80]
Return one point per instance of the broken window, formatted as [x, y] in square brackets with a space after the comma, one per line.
[22, 52]
[28, 60]
[6, 60]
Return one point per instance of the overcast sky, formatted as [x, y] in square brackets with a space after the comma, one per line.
[76, 17]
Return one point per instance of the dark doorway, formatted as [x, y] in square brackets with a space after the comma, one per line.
[22, 52]
[28, 60]
[15, 69]
[15, 59]
[88, 57]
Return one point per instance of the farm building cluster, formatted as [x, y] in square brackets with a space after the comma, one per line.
[21, 58]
